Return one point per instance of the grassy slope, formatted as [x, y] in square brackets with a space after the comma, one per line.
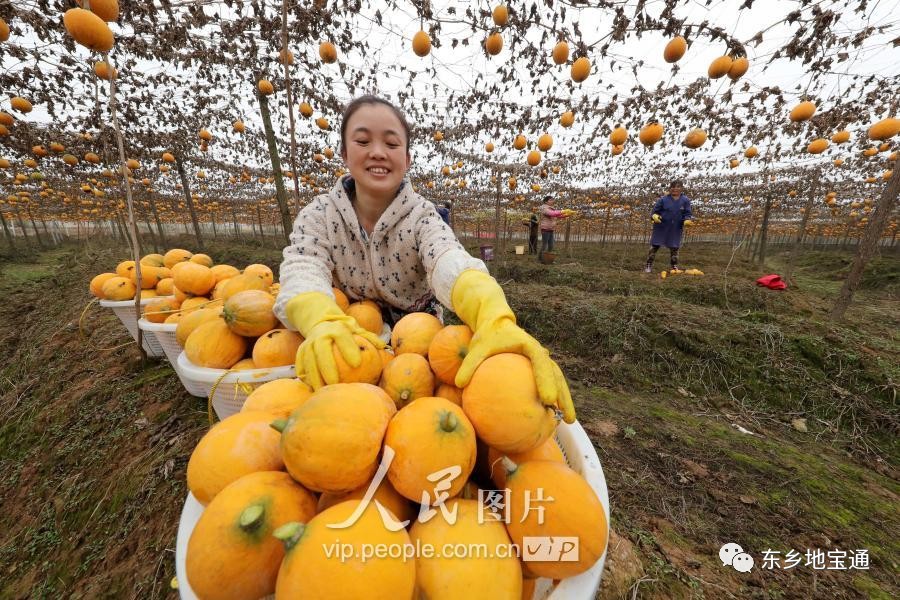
[93, 447]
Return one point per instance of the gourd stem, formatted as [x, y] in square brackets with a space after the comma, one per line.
[509, 465]
[252, 517]
[449, 422]
[278, 425]
[289, 533]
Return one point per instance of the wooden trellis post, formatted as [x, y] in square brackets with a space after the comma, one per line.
[868, 243]
[290, 101]
[276, 166]
[189, 200]
[9, 238]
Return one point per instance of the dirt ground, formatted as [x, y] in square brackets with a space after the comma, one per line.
[721, 412]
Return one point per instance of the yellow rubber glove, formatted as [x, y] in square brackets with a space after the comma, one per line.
[323, 326]
[656, 218]
[688, 222]
[479, 302]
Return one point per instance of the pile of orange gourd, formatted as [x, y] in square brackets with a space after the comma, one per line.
[275, 475]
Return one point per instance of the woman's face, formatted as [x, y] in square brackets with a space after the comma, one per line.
[375, 149]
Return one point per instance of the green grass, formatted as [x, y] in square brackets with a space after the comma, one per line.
[94, 445]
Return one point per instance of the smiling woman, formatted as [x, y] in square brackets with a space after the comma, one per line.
[374, 238]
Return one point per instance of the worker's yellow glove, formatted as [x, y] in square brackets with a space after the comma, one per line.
[323, 326]
[656, 218]
[688, 222]
[479, 302]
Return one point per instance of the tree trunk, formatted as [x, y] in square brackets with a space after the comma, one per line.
[9, 237]
[569, 237]
[605, 227]
[290, 102]
[237, 231]
[129, 203]
[764, 231]
[34, 226]
[262, 234]
[497, 215]
[868, 243]
[276, 167]
[186, 188]
[807, 210]
[159, 227]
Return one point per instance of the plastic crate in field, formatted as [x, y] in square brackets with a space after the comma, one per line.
[227, 390]
[165, 336]
[580, 456]
[125, 311]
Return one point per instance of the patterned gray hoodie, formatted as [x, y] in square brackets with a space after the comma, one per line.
[411, 257]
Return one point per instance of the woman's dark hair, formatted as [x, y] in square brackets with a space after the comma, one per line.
[370, 99]
[676, 183]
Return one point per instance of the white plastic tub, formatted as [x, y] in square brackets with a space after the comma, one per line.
[125, 311]
[165, 336]
[580, 455]
[229, 390]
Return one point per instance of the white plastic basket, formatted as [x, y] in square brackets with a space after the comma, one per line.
[229, 390]
[165, 335]
[580, 455]
[125, 311]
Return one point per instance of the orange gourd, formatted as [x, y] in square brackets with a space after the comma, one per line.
[307, 574]
[232, 554]
[449, 392]
[407, 377]
[215, 346]
[176, 255]
[549, 450]
[429, 435]
[675, 49]
[223, 272]
[279, 396]
[502, 402]
[88, 29]
[367, 315]
[108, 10]
[240, 444]
[277, 348]
[245, 364]
[194, 278]
[447, 350]
[249, 313]
[651, 133]
[261, 270]
[440, 577]
[118, 288]
[370, 366]
[155, 260]
[719, 67]
[414, 332]
[165, 287]
[580, 70]
[202, 259]
[331, 442]
[241, 283]
[574, 512]
[327, 52]
[97, 282]
[385, 494]
[159, 310]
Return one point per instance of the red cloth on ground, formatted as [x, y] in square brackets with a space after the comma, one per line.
[773, 282]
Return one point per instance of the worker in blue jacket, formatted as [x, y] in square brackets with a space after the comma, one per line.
[670, 215]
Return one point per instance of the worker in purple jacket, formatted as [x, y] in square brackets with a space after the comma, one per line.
[670, 215]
